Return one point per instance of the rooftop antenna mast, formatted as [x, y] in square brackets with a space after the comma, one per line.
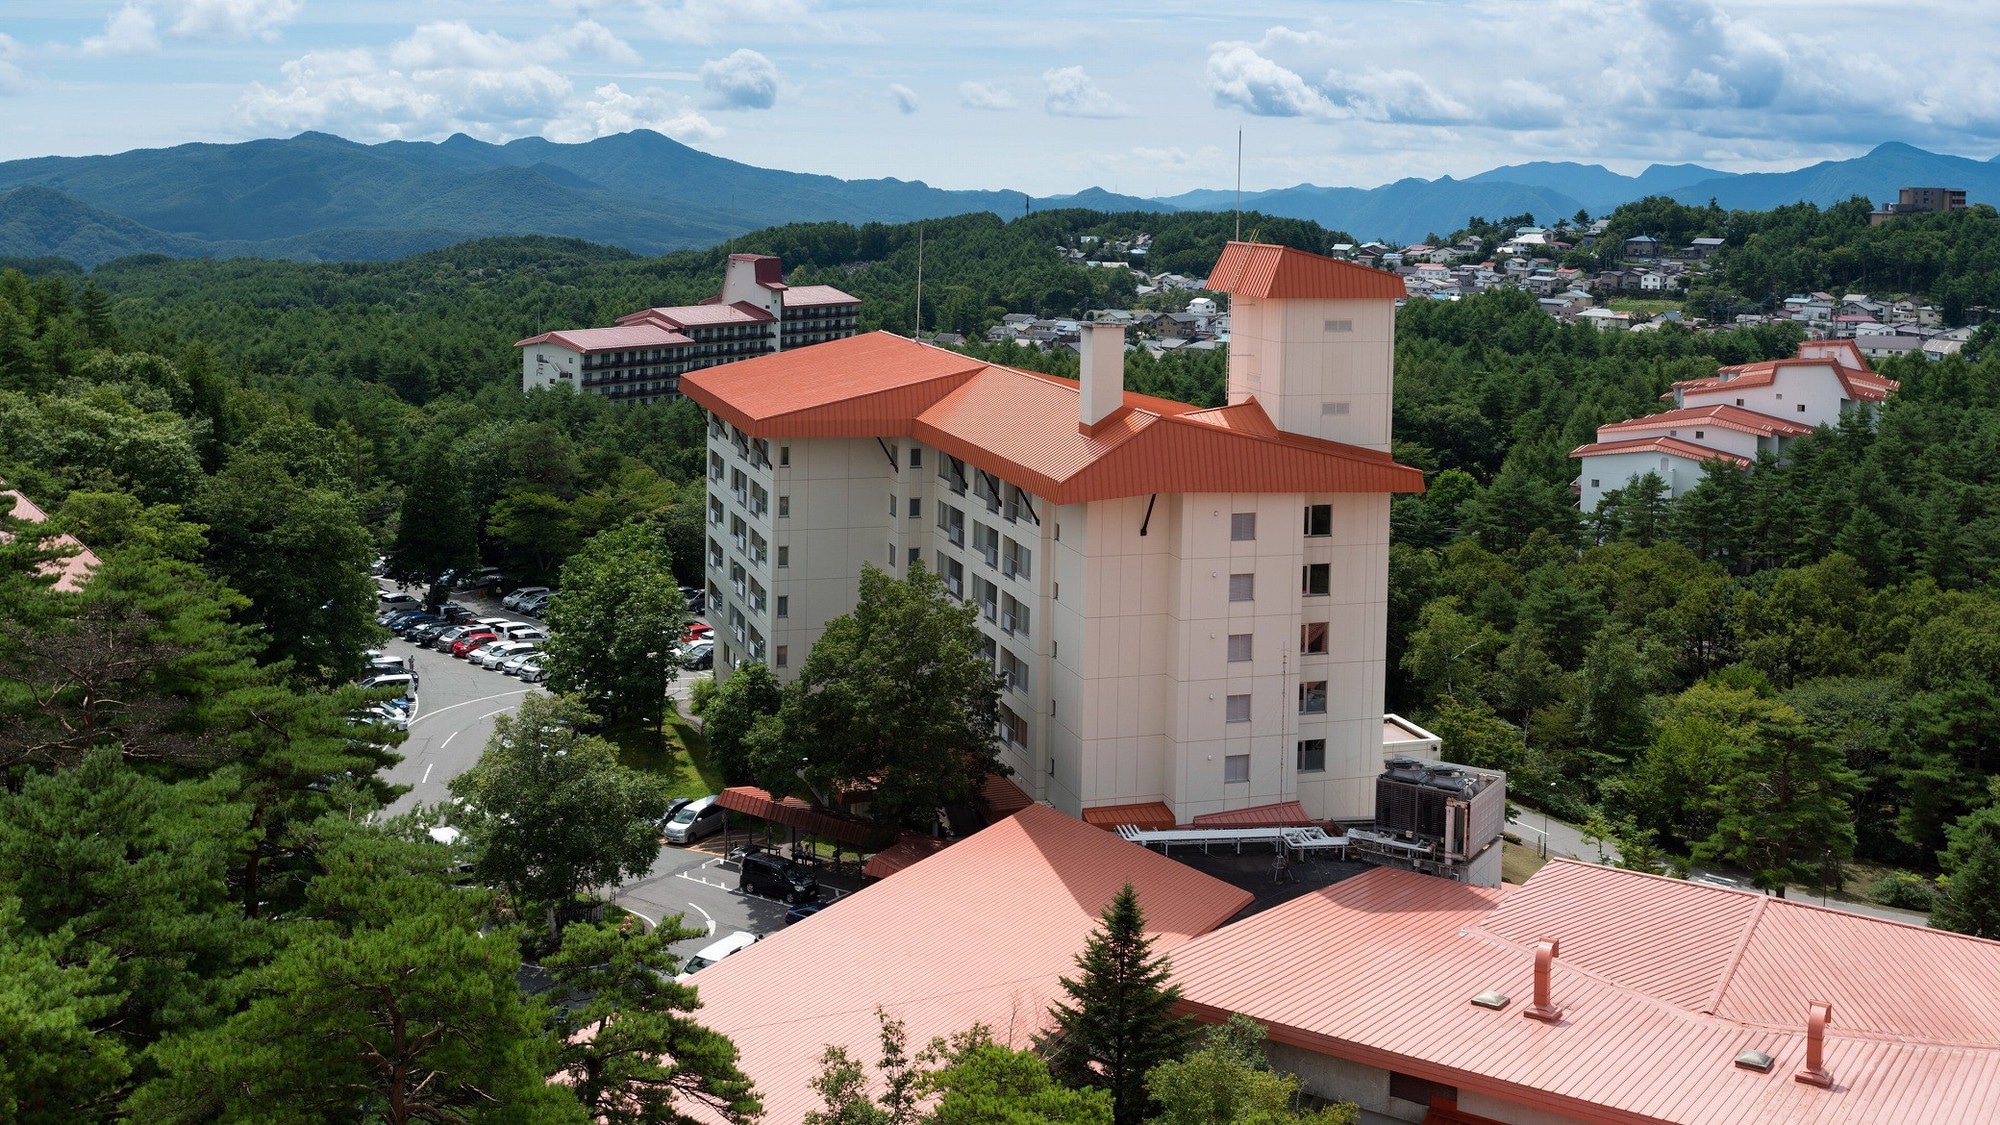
[1239, 185]
[918, 332]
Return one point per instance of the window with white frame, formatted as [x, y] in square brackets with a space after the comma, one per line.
[1016, 561]
[1312, 697]
[1312, 755]
[1316, 579]
[952, 522]
[1319, 520]
[1312, 637]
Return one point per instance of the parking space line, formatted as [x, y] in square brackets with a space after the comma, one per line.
[427, 771]
[470, 702]
[704, 914]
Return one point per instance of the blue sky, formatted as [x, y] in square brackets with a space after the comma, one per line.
[1144, 98]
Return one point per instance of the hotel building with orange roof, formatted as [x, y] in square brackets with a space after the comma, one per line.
[1187, 607]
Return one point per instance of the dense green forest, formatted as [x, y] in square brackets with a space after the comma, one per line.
[1786, 670]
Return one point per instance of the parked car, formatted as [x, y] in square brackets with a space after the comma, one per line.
[380, 564]
[512, 665]
[803, 911]
[403, 680]
[534, 606]
[388, 666]
[396, 599]
[697, 818]
[522, 631]
[470, 642]
[425, 634]
[514, 600]
[391, 618]
[411, 621]
[674, 805]
[492, 655]
[456, 613]
[533, 670]
[444, 639]
[774, 876]
[715, 951]
[697, 631]
[699, 655]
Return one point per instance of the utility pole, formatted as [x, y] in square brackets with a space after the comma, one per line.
[1239, 185]
[918, 331]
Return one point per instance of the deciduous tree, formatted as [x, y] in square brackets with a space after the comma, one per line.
[614, 624]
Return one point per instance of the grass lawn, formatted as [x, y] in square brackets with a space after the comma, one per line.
[677, 753]
[1518, 861]
[1636, 305]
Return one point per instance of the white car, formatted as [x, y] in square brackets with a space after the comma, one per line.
[534, 669]
[490, 656]
[514, 600]
[512, 665]
[396, 599]
[715, 951]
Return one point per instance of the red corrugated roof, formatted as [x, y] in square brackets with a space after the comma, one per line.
[1256, 269]
[979, 933]
[794, 813]
[1147, 814]
[1860, 384]
[1002, 798]
[1284, 814]
[1661, 982]
[71, 571]
[610, 339]
[909, 848]
[1674, 447]
[1722, 416]
[1022, 425]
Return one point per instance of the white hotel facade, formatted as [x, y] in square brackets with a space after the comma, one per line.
[1187, 607]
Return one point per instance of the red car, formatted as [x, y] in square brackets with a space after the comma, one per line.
[697, 631]
[463, 646]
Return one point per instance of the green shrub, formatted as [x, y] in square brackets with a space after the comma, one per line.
[1905, 892]
[699, 694]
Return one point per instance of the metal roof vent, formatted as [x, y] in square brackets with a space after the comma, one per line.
[1491, 999]
[1819, 1013]
[1543, 1009]
[1754, 1059]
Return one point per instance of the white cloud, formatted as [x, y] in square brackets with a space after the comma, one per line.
[589, 37]
[1393, 95]
[128, 31]
[611, 110]
[1239, 76]
[904, 97]
[12, 79]
[451, 46]
[741, 79]
[979, 95]
[232, 19]
[1069, 92]
[705, 21]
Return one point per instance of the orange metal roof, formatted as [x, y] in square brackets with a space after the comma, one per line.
[794, 813]
[1724, 416]
[71, 571]
[1672, 446]
[1860, 384]
[1002, 798]
[1257, 269]
[804, 296]
[1148, 814]
[1661, 982]
[906, 851]
[1022, 425]
[1283, 814]
[979, 933]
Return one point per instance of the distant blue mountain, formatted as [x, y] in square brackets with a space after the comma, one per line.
[317, 196]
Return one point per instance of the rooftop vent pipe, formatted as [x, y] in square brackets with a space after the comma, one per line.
[1102, 373]
[1819, 1013]
[1545, 959]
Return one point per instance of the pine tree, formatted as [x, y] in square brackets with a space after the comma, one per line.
[1970, 903]
[1119, 1022]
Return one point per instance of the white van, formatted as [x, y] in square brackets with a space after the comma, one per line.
[522, 631]
[715, 951]
[696, 819]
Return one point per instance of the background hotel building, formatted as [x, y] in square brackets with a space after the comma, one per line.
[642, 357]
[1187, 606]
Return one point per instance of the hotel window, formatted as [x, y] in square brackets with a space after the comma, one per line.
[1236, 709]
[1239, 647]
[1235, 768]
[1316, 579]
[1319, 520]
[1312, 755]
[784, 456]
[952, 522]
[1242, 587]
[916, 457]
[784, 556]
[1242, 526]
[1017, 561]
[784, 605]
[1312, 636]
[781, 654]
[784, 507]
[916, 507]
[1312, 697]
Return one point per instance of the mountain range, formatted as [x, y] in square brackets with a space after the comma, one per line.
[320, 197]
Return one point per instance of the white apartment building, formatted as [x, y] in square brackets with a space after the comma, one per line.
[644, 355]
[1187, 607]
[1732, 417]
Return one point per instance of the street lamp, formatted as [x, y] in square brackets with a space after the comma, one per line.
[1545, 819]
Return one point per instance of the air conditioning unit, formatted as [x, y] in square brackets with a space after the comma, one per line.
[1006, 679]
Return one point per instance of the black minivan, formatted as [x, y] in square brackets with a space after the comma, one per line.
[778, 877]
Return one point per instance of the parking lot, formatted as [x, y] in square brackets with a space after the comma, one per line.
[699, 883]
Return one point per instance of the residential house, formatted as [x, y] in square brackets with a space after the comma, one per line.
[1703, 248]
[1605, 320]
[1642, 248]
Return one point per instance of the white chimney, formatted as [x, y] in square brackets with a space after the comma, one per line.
[1103, 373]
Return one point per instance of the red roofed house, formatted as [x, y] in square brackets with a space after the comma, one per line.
[642, 358]
[1593, 994]
[1733, 416]
[1188, 607]
[980, 932]
[70, 571]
